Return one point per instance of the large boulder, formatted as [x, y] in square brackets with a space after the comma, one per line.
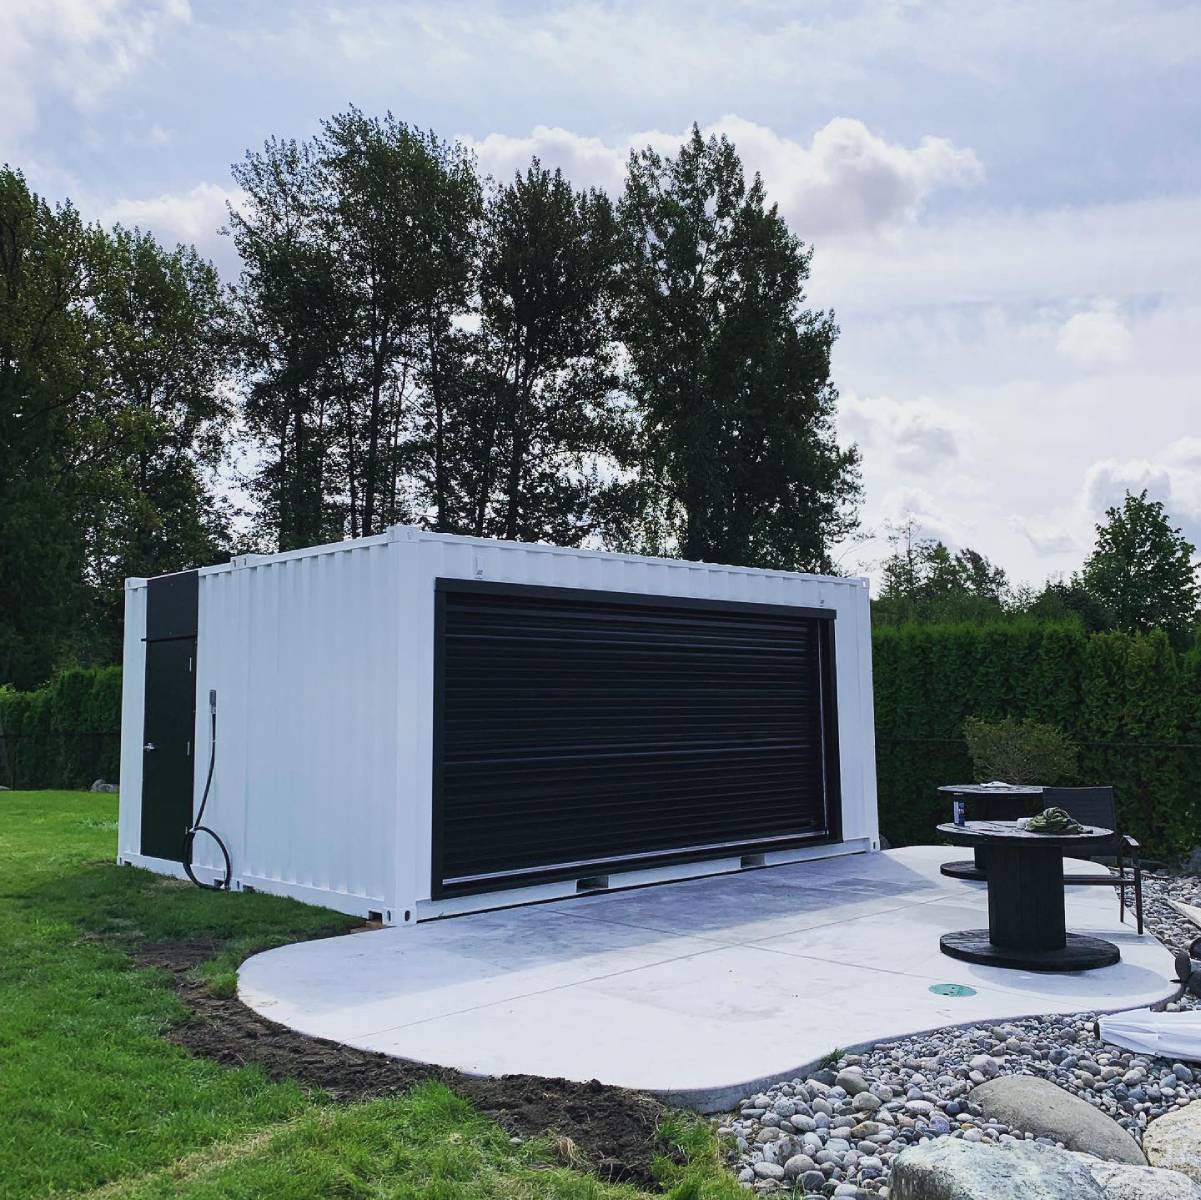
[1174, 1140]
[1121, 1181]
[1044, 1109]
[952, 1169]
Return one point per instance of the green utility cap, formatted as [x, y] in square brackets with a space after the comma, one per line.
[952, 989]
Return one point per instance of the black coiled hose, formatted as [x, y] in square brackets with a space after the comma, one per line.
[217, 885]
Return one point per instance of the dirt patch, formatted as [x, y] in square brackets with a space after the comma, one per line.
[613, 1129]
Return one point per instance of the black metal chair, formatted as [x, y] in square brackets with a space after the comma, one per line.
[1095, 806]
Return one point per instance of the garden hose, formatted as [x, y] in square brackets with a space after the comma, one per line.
[217, 885]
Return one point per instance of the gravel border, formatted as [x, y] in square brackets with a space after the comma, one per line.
[837, 1131]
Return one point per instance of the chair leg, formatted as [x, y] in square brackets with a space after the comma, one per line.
[1121, 889]
[1138, 897]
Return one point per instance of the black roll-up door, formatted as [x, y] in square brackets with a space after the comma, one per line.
[577, 732]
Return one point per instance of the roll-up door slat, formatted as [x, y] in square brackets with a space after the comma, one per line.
[577, 729]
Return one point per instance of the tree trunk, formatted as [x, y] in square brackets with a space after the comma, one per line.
[440, 484]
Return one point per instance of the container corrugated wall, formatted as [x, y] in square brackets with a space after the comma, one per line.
[323, 661]
[302, 652]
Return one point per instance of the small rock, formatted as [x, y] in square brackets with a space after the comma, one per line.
[851, 1081]
[798, 1164]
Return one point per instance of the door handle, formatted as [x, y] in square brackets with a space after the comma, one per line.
[149, 746]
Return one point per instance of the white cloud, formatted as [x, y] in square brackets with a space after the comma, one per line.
[1047, 537]
[1139, 251]
[849, 179]
[586, 161]
[919, 435]
[846, 180]
[1106, 484]
[80, 49]
[1096, 338]
[193, 216]
[1176, 485]
[1185, 452]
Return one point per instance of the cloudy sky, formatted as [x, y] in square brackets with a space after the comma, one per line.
[1004, 200]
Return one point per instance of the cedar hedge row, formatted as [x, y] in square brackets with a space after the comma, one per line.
[1130, 702]
[64, 735]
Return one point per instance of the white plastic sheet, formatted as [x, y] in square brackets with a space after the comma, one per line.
[1174, 1035]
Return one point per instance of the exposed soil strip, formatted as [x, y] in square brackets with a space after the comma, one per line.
[613, 1129]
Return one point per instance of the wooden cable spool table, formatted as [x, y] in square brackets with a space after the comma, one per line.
[989, 802]
[1027, 923]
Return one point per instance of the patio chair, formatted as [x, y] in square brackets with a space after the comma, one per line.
[1095, 806]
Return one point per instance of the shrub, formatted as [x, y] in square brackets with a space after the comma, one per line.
[1019, 751]
[65, 734]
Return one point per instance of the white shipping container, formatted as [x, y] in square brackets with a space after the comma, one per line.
[418, 724]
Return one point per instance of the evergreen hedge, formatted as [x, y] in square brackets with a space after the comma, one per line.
[65, 735]
[1130, 703]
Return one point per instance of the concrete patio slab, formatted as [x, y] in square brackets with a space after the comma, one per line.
[699, 990]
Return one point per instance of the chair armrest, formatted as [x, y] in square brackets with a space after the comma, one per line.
[1130, 842]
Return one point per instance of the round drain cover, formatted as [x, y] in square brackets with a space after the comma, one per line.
[952, 989]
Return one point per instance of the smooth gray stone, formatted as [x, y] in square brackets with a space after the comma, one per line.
[1040, 1107]
[951, 1169]
[1174, 1141]
[1121, 1181]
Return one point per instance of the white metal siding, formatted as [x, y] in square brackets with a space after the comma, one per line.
[133, 701]
[302, 652]
[323, 663]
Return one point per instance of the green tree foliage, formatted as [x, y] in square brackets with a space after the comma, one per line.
[729, 373]
[1143, 570]
[386, 182]
[161, 323]
[292, 331]
[1069, 600]
[48, 375]
[417, 350]
[110, 377]
[546, 414]
[923, 581]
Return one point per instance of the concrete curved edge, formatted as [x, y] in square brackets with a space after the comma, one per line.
[727, 1097]
[693, 991]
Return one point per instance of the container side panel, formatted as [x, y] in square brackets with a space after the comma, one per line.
[302, 652]
[133, 705]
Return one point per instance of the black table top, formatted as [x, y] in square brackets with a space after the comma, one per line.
[987, 833]
[987, 789]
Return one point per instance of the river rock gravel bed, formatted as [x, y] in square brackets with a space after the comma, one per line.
[836, 1131]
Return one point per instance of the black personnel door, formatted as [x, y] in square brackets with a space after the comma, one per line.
[577, 732]
[168, 730]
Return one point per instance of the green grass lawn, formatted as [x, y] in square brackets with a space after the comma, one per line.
[93, 1100]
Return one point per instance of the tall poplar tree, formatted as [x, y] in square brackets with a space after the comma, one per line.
[543, 415]
[729, 371]
[293, 338]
